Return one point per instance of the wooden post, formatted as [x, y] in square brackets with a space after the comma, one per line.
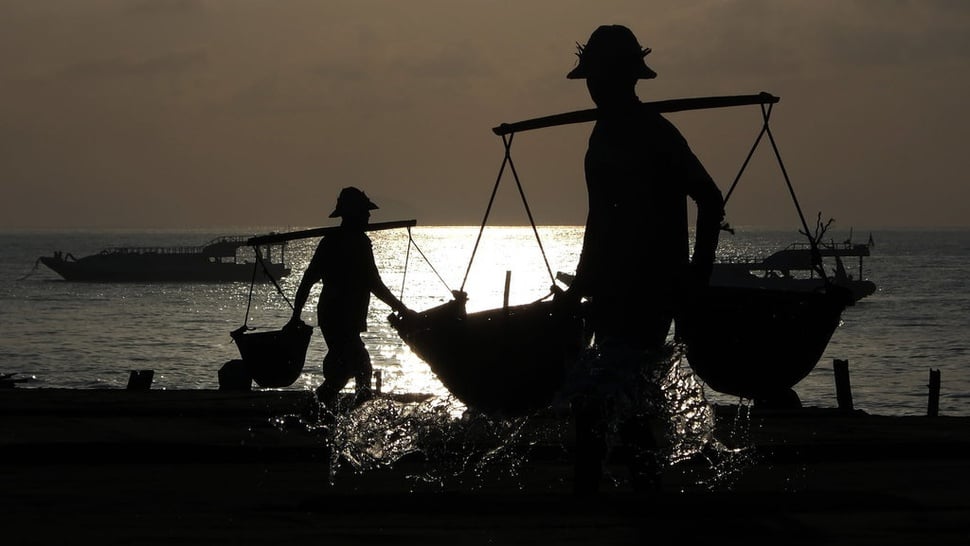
[933, 408]
[378, 381]
[508, 282]
[843, 390]
[140, 380]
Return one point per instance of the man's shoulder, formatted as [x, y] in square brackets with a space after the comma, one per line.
[346, 242]
[649, 117]
[658, 128]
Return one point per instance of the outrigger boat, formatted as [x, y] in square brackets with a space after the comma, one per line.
[742, 340]
[220, 260]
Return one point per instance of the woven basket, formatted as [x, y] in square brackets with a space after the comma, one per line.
[274, 358]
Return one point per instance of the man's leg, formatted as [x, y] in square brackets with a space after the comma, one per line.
[336, 366]
[639, 437]
[591, 448]
[362, 369]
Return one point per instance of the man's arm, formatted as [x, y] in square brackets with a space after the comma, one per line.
[710, 213]
[701, 188]
[383, 293]
[588, 260]
[310, 277]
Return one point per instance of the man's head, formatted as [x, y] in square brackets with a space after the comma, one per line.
[352, 203]
[612, 51]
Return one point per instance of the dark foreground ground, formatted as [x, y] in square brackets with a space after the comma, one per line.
[210, 467]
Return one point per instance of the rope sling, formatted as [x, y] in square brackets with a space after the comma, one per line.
[507, 161]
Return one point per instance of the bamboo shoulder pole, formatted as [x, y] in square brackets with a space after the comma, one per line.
[663, 106]
[322, 231]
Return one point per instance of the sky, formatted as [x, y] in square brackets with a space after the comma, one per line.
[211, 113]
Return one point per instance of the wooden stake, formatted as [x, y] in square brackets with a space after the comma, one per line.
[140, 380]
[508, 283]
[843, 390]
[933, 409]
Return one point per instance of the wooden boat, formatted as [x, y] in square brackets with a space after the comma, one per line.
[219, 260]
[506, 361]
[792, 268]
[758, 343]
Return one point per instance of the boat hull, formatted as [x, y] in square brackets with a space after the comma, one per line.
[796, 268]
[723, 276]
[759, 343]
[749, 342]
[136, 268]
[508, 361]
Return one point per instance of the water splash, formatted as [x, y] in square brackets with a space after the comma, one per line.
[691, 421]
[643, 393]
[455, 446]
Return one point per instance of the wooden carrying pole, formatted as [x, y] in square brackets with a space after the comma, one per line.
[662, 106]
[320, 232]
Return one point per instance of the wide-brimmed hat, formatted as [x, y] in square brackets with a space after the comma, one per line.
[612, 50]
[351, 200]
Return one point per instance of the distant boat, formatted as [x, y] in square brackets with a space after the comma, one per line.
[792, 269]
[220, 260]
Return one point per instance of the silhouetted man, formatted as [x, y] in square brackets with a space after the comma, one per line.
[344, 263]
[635, 266]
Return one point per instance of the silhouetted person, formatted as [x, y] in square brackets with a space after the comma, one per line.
[344, 263]
[635, 266]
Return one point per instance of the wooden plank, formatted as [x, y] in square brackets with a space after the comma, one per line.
[663, 106]
[322, 231]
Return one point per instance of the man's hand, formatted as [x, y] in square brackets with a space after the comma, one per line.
[695, 282]
[699, 275]
[567, 299]
[293, 323]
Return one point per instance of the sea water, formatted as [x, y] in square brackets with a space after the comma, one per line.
[90, 335]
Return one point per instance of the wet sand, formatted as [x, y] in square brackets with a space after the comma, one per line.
[211, 467]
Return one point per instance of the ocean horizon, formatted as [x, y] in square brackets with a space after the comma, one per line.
[62, 334]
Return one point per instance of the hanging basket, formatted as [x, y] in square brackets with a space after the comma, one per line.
[507, 361]
[758, 343]
[274, 358]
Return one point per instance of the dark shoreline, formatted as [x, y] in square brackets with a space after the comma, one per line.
[186, 466]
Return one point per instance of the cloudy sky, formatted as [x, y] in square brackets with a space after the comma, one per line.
[217, 113]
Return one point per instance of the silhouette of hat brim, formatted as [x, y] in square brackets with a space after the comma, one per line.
[612, 50]
[352, 201]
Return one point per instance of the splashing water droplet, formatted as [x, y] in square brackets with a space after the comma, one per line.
[460, 447]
